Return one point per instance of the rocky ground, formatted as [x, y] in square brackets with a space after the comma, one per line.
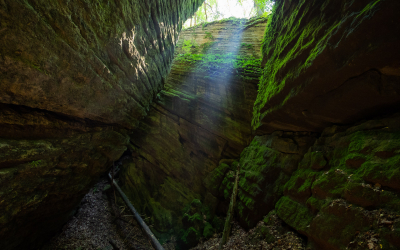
[100, 223]
[103, 224]
[271, 233]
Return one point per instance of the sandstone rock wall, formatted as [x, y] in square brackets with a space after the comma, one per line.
[74, 75]
[201, 116]
[331, 79]
[347, 186]
[339, 189]
[102, 60]
[328, 62]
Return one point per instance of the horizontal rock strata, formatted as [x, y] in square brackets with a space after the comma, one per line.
[74, 76]
[201, 116]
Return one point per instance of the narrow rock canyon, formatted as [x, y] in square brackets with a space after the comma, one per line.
[305, 99]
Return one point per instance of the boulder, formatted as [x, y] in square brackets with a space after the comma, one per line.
[355, 193]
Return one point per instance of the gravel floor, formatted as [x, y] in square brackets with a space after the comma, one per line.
[100, 224]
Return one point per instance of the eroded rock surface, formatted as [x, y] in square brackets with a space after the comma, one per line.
[201, 116]
[103, 60]
[328, 62]
[266, 165]
[340, 189]
[348, 184]
[74, 75]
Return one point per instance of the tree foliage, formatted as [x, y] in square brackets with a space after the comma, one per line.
[211, 10]
[260, 6]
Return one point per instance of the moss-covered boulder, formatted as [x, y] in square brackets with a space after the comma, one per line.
[266, 165]
[353, 192]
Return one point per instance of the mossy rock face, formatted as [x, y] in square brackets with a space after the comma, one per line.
[214, 179]
[318, 58]
[266, 165]
[339, 205]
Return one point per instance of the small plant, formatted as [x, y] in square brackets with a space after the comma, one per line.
[35, 163]
[187, 45]
[209, 35]
[247, 45]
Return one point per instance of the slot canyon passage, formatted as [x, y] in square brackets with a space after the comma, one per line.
[305, 99]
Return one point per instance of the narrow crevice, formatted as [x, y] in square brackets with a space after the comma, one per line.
[51, 115]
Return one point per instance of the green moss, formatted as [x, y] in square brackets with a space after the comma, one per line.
[315, 204]
[213, 63]
[247, 45]
[318, 160]
[190, 236]
[206, 46]
[209, 35]
[208, 231]
[293, 213]
[331, 184]
[300, 181]
[214, 179]
[196, 223]
[36, 163]
[288, 38]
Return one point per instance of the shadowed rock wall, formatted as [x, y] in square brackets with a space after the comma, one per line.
[328, 62]
[102, 60]
[74, 75]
